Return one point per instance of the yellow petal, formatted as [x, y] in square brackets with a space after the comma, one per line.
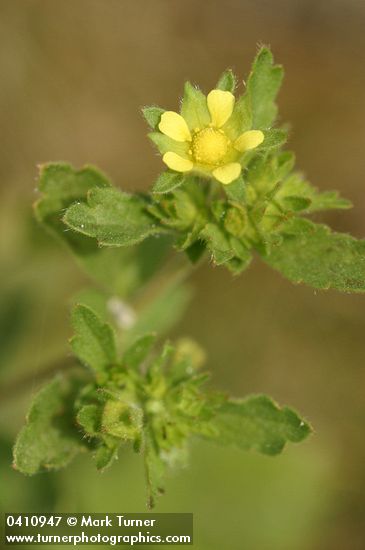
[227, 173]
[173, 125]
[220, 105]
[249, 140]
[177, 163]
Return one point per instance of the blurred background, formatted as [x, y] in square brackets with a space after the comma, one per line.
[73, 78]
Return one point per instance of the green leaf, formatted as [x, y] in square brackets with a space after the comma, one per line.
[168, 181]
[61, 181]
[153, 116]
[296, 204]
[60, 186]
[94, 341]
[49, 440]
[138, 351]
[120, 270]
[258, 423]
[294, 185]
[310, 253]
[194, 107]
[217, 243]
[262, 87]
[328, 200]
[227, 81]
[114, 218]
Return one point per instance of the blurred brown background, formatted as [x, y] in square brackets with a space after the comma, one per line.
[74, 75]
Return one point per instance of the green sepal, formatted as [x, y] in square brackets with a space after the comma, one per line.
[242, 253]
[168, 181]
[165, 144]
[153, 116]
[235, 220]
[217, 243]
[274, 139]
[227, 82]
[194, 107]
[89, 418]
[105, 455]
[236, 190]
[241, 119]
[122, 420]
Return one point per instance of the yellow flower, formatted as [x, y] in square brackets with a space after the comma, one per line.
[204, 137]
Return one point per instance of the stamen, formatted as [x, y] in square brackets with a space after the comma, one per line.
[210, 146]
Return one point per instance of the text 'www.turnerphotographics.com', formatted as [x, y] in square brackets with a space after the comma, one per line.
[107, 529]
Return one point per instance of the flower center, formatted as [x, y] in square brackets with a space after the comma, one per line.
[209, 146]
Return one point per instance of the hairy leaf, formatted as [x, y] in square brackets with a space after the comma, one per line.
[49, 440]
[258, 423]
[114, 218]
[312, 254]
[93, 342]
[120, 270]
[294, 185]
[60, 186]
[262, 87]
